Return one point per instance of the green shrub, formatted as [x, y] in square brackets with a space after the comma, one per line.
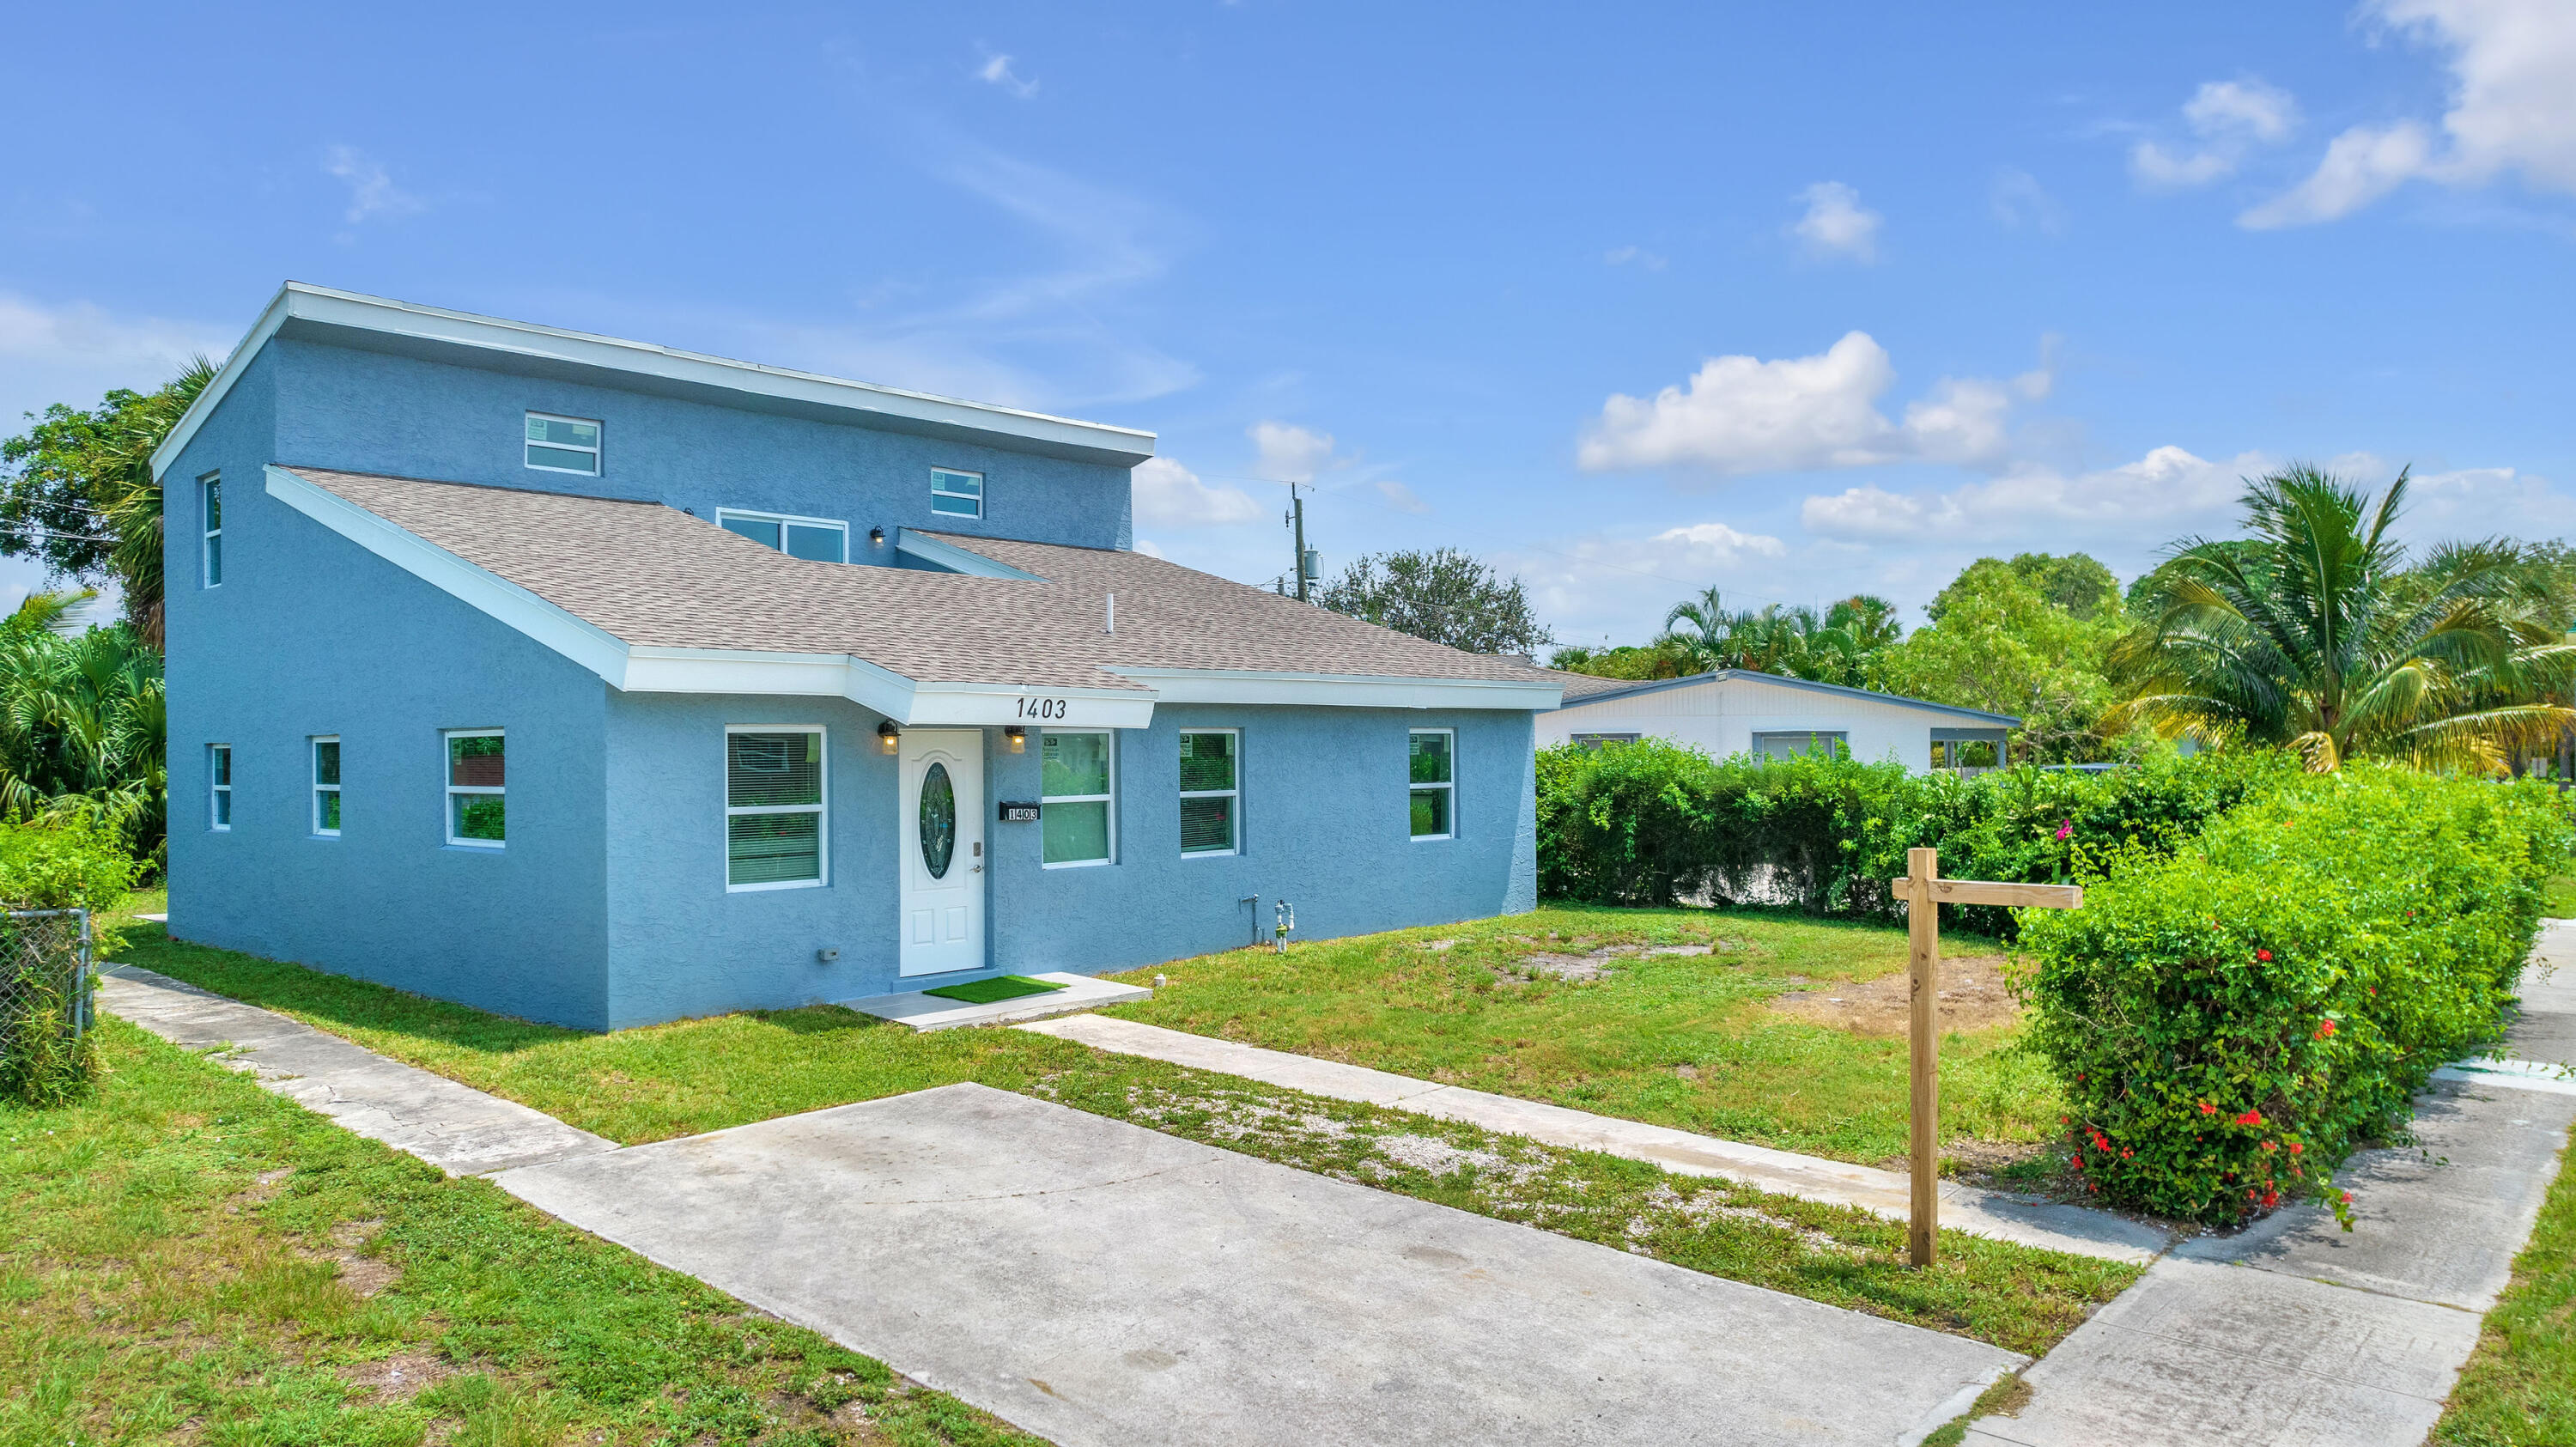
[1652, 822]
[51, 864]
[2231, 1020]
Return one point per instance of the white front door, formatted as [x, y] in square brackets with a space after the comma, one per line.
[942, 826]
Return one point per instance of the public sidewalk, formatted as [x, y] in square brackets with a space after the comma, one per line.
[2029, 1221]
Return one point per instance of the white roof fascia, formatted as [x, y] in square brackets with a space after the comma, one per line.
[296, 300]
[1031, 705]
[955, 558]
[585, 643]
[1340, 690]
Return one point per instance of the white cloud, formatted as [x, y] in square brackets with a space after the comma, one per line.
[1623, 255]
[1289, 453]
[1170, 495]
[1836, 224]
[2227, 118]
[372, 192]
[1400, 497]
[1740, 414]
[75, 351]
[2168, 491]
[2019, 200]
[996, 70]
[1717, 543]
[2513, 108]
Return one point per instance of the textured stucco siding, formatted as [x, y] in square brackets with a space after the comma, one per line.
[1722, 717]
[1324, 823]
[310, 635]
[362, 411]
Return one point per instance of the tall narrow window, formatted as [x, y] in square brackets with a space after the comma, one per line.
[819, 540]
[774, 835]
[1435, 784]
[563, 444]
[959, 494]
[1211, 790]
[1074, 813]
[212, 489]
[219, 786]
[326, 785]
[476, 775]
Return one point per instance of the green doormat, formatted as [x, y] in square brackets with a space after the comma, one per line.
[986, 992]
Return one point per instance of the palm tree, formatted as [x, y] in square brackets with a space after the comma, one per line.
[2316, 634]
[135, 516]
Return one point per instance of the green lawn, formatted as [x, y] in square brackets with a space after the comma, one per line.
[188, 1258]
[2519, 1390]
[1678, 1040]
[2560, 902]
[698, 1075]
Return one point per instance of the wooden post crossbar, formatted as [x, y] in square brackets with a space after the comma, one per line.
[1924, 891]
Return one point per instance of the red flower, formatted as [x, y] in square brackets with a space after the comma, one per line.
[2251, 1117]
[2124, 1153]
[2269, 1146]
[2076, 1161]
[2347, 1198]
[2264, 955]
[2207, 1109]
[2373, 989]
[2272, 1198]
[2295, 1148]
[2325, 1028]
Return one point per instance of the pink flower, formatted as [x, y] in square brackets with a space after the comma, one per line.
[2066, 830]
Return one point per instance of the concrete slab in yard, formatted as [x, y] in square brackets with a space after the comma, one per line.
[455, 1127]
[924, 1011]
[2205, 1355]
[1101, 1283]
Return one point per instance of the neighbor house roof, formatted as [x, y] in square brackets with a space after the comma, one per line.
[1611, 688]
[374, 323]
[656, 600]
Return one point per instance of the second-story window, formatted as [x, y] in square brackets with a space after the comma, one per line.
[563, 444]
[212, 488]
[818, 540]
[956, 493]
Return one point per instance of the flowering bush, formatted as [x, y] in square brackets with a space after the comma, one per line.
[2231, 1019]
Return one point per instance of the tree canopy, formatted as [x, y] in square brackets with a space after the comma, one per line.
[1444, 595]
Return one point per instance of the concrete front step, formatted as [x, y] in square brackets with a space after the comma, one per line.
[924, 1011]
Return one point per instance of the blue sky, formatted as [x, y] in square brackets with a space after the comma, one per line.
[1795, 301]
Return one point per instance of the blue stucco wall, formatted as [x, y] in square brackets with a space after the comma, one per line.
[309, 634]
[368, 411]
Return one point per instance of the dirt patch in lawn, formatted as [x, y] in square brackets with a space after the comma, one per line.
[1973, 997]
[399, 1377]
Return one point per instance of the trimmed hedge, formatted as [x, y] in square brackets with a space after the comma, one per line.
[2232, 1019]
[1651, 823]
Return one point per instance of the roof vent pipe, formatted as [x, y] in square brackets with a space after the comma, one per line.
[1112, 625]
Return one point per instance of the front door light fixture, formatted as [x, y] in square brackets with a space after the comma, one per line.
[888, 737]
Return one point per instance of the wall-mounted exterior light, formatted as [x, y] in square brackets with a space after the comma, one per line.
[1019, 738]
[888, 737]
[876, 537]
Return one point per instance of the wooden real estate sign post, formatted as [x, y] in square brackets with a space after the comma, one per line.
[1924, 891]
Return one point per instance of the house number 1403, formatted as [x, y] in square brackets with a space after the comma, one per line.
[1043, 708]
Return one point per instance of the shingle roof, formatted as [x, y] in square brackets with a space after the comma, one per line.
[1620, 687]
[654, 576]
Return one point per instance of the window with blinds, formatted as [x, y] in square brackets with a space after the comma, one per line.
[774, 807]
[1211, 791]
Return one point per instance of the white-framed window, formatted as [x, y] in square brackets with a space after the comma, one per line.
[1078, 791]
[819, 540]
[219, 787]
[1434, 768]
[1791, 744]
[477, 773]
[210, 499]
[563, 444]
[957, 492]
[775, 831]
[1211, 791]
[326, 785]
[1595, 743]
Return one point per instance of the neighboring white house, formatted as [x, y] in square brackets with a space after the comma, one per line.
[1738, 712]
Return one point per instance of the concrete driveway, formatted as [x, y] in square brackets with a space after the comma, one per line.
[1101, 1283]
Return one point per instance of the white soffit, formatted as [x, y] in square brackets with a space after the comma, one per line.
[1337, 690]
[956, 559]
[296, 301]
[632, 668]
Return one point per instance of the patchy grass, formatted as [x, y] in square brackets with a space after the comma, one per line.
[189, 1258]
[2519, 1389]
[1526, 1006]
[2558, 898]
[698, 1075]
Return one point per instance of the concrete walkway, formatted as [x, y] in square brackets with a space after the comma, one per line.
[925, 1011]
[460, 1130]
[1106, 1284]
[1993, 1214]
[2293, 1332]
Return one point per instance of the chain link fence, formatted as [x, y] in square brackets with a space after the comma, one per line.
[46, 984]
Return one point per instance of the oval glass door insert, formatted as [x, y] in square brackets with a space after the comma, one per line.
[938, 821]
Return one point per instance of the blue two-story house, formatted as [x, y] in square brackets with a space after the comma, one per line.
[601, 683]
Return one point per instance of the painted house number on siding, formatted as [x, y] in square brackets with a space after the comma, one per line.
[1045, 708]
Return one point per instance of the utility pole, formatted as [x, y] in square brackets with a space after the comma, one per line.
[1297, 564]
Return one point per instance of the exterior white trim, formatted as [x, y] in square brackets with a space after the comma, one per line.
[1339, 690]
[955, 558]
[598, 449]
[1234, 817]
[313, 779]
[1448, 786]
[821, 810]
[450, 790]
[1109, 755]
[296, 301]
[219, 789]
